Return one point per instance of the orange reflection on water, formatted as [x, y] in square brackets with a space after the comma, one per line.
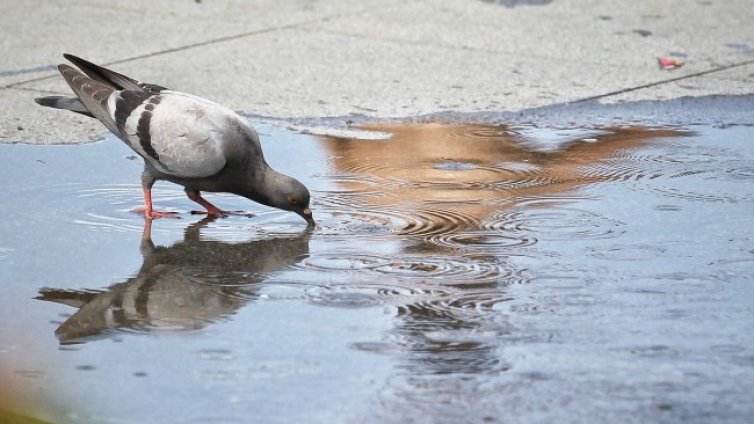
[471, 170]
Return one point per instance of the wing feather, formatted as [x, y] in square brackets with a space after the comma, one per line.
[94, 95]
[184, 136]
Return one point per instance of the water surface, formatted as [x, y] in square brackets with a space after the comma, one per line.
[478, 273]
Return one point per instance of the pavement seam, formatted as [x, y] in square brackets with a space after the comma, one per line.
[37, 90]
[665, 81]
[167, 51]
[443, 46]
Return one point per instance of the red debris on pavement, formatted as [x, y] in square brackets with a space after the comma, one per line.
[669, 63]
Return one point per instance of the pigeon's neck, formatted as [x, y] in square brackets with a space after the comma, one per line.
[261, 185]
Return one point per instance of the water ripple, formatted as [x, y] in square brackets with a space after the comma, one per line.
[401, 222]
[697, 173]
[479, 132]
[628, 252]
[408, 270]
[111, 209]
[487, 240]
[5, 251]
[554, 219]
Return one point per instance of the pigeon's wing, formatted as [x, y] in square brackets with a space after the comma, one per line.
[179, 134]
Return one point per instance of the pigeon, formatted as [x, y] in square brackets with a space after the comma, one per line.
[182, 138]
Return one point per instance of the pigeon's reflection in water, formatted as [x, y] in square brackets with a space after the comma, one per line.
[182, 287]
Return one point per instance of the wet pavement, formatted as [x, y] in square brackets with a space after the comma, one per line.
[458, 273]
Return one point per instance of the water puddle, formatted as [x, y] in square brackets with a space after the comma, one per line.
[457, 273]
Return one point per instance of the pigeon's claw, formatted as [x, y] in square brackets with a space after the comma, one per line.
[223, 214]
[211, 210]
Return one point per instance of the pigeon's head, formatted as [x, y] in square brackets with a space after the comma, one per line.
[291, 195]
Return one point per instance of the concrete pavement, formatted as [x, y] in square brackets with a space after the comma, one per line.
[297, 58]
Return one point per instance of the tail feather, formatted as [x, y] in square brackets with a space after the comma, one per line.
[67, 103]
[104, 75]
[93, 85]
[72, 298]
[93, 94]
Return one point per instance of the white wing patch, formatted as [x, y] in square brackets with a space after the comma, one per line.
[186, 134]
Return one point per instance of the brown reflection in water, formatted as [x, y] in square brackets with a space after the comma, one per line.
[182, 287]
[469, 170]
[465, 175]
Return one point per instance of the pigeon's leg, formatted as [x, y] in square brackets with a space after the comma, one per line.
[147, 181]
[212, 210]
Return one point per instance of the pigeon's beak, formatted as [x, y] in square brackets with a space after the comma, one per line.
[307, 215]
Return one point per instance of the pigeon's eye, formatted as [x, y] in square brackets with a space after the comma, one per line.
[293, 199]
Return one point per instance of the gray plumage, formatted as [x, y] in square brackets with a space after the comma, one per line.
[183, 139]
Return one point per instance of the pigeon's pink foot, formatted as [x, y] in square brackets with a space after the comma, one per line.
[211, 210]
[153, 214]
[149, 212]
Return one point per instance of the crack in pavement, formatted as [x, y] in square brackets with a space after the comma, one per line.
[665, 81]
[198, 44]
